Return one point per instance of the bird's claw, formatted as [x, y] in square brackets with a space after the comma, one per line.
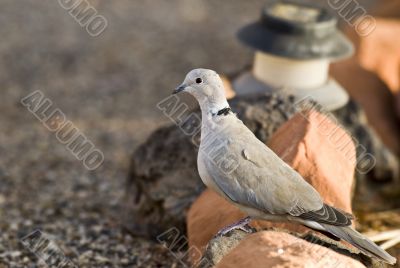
[241, 225]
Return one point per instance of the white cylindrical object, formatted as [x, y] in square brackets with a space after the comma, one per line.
[282, 72]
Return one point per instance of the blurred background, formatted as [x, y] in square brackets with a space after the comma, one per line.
[108, 86]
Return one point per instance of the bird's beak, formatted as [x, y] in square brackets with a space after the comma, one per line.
[179, 89]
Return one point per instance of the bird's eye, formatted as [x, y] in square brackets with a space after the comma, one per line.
[199, 80]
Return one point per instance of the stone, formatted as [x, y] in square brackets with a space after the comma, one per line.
[218, 247]
[278, 249]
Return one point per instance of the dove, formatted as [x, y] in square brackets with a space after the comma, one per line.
[233, 162]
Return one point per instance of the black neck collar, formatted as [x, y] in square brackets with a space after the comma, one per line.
[224, 111]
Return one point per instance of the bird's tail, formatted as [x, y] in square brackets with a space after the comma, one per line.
[361, 242]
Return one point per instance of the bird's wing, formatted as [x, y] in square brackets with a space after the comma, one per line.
[329, 215]
[260, 179]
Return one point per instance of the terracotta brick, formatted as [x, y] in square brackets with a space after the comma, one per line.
[372, 77]
[371, 92]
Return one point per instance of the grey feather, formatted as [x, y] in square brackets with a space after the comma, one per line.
[365, 245]
[261, 179]
[329, 215]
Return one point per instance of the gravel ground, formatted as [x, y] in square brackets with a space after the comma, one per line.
[108, 87]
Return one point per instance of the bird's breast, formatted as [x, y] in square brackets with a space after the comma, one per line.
[205, 174]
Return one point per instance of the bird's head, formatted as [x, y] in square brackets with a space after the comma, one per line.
[206, 86]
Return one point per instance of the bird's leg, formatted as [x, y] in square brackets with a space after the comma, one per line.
[241, 224]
